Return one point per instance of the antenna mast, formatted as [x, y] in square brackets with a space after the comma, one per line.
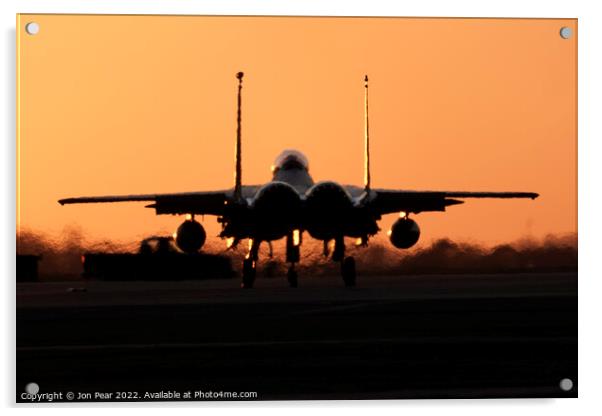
[366, 139]
[238, 173]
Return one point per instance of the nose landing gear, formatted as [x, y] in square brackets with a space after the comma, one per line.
[347, 263]
[291, 276]
[293, 242]
[249, 270]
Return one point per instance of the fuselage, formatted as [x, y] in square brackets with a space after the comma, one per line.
[292, 167]
[293, 201]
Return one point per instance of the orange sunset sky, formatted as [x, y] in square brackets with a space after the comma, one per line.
[147, 104]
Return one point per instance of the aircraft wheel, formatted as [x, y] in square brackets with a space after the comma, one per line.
[291, 275]
[348, 271]
[248, 274]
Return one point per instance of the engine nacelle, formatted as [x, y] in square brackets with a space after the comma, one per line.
[277, 198]
[404, 233]
[328, 210]
[276, 210]
[328, 196]
[190, 236]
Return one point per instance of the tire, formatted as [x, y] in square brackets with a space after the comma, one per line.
[248, 274]
[292, 277]
[348, 271]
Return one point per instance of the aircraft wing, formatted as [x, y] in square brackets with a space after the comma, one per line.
[210, 202]
[385, 201]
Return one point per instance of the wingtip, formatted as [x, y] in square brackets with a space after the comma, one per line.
[449, 202]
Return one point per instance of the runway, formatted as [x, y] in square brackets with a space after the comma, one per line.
[430, 336]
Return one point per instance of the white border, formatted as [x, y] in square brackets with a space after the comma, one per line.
[458, 8]
[590, 134]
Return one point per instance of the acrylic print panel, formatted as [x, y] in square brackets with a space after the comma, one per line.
[395, 202]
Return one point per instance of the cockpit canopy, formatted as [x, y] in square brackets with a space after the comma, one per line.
[290, 159]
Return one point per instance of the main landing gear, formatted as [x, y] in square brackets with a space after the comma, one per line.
[348, 271]
[249, 265]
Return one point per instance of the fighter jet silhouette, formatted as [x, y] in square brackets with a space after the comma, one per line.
[292, 203]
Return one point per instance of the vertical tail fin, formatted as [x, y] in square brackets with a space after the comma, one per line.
[366, 139]
[238, 172]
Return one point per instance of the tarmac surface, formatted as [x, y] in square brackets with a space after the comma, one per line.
[391, 337]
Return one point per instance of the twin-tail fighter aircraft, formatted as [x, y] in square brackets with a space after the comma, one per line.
[292, 203]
